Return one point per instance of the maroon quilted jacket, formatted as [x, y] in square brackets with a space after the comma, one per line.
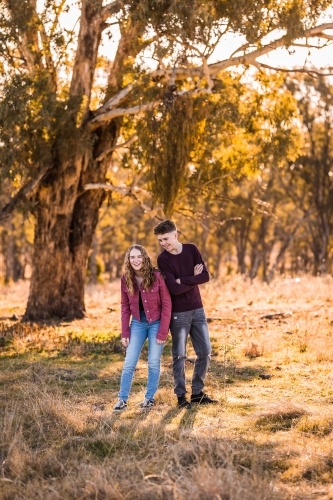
[156, 302]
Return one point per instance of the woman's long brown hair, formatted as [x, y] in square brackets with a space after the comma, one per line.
[147, 269]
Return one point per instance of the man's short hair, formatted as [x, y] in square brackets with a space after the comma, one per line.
[166, 226]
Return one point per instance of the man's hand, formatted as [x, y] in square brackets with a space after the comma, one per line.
[160, 341]
[125, 342]
[198, 269]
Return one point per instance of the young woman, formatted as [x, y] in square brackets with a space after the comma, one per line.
[145, 298]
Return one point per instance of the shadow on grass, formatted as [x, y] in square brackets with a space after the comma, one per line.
[187, 420]
[236, 373]
[54, 339]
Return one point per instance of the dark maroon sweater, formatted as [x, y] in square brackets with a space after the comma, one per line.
[186, 295]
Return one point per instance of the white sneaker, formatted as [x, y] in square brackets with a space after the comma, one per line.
[120, 405]
[147, 404]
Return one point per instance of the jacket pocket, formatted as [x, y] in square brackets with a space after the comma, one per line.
[154, 288]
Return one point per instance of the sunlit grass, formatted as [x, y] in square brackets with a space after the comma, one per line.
[270, 435]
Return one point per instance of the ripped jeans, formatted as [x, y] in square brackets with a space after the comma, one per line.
[193, 323]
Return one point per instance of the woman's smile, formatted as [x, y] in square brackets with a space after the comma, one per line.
[136, 259]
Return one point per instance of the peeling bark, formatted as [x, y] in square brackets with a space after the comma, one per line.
[56, 288]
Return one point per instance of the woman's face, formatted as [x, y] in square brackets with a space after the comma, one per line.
[136, 259]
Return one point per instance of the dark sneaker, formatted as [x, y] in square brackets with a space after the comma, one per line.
[202, 399]
[147, 404]
[120, 405]
[183, 403]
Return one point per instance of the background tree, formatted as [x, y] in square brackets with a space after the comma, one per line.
[310, 177]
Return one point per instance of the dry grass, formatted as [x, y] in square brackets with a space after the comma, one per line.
[270, 436]
[282, 415]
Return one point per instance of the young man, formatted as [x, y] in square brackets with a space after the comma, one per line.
[184, 270]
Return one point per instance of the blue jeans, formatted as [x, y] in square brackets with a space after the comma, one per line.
[140, 331]
[193, 323]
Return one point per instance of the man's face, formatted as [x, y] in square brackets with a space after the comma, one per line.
[169, 241]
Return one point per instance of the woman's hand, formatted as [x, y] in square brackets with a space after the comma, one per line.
[160, 341]
[125, 342]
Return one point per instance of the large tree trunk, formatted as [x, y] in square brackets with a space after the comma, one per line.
[66, 214]
[56, 287]
[66, 220]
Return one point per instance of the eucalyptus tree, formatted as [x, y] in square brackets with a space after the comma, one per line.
[56, 142]
[309, 179]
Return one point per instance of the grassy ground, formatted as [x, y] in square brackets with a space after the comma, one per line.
[269, 437]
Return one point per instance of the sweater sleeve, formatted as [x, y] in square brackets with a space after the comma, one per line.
[125, 312]
[198, 279]
[165, 311]
[174, 287]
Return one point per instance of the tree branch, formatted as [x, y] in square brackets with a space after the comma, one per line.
[107, 112]
[310, 72]
[139, 109]
[309, 46]
[242, 47]
[110, 10]
[115, 113]
[125, 191]
[48, 55]
[248, 58]
[23, 193]
[125, 144]
[115, 100]
[327, 37]
[28, 36]
[210, 82]
[86, 52]
[57, 10]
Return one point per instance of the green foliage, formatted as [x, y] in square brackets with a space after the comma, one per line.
[168, 136]
[247, 129]
[22, 16]
[200, 21]
[27, 125]
[35, 126]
